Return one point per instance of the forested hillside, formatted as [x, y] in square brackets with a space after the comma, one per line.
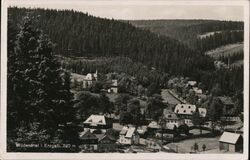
[77, 34]
[80, 34]
[191, 32]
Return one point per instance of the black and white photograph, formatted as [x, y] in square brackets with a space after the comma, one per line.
[129, 79]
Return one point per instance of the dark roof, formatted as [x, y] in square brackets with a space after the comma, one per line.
[226, 100]
[170, 115]
[107, 137]
[87, 135]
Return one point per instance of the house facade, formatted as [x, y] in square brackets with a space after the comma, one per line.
[172, 119]
[113, 87]
[129, 136]
[185, 112]
[97, 122]
[228, 106]
[231, 142]
[85, 81]
[88, 141]
[107, 143]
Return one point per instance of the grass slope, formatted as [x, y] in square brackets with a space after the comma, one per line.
[226, 50]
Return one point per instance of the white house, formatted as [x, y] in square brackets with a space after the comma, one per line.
[97, 122]
[129, 135]
[192, 83]
[86, 81]
[113, 87]
[185, 111]
[231, 142]
[197, 91]
[154, 125]
[172, 119]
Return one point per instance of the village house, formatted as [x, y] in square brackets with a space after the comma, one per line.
[228, 106]
[85, 81]
[88, 141]
[192, 83]
[197, 91]
[154, 125]
[185, 111]
[231, 142]
[172, 119]
[98, 122]
[129, 136]
[106, 143]
[113, 87]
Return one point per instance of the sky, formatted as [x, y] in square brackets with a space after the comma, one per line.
[136, 10]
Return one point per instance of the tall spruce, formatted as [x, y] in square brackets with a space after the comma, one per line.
[40, 90]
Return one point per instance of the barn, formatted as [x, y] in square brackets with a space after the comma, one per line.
[231, 142]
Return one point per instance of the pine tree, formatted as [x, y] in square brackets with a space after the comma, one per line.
[41, 90]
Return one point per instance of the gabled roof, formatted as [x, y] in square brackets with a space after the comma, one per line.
[106, 137]
[170, 115]
[114, 83]
[96, 120]
[77, 76]
[226, 100]
[203, 112]
[128, 131]
[187, 109]
[87, 135]
[197, 90]
[192, 83]
[229, 137]
[154, 124]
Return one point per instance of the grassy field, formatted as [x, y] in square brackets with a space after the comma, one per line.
[226, 50]
[208, 34]
[197, 131]
[237, 63]
[185, 145]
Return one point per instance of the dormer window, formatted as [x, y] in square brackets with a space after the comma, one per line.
[100, 121]
[90, 120]
[184, 111]
[181, 106]
[177, 110]
[189, 107]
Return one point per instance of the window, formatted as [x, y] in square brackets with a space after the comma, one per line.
[177, 110]
[189, 107]
[184, 111]
[181, 106]
[192, 111]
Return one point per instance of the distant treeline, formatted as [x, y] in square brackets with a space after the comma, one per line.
[187, 31]
[219, 39]
[80, 34]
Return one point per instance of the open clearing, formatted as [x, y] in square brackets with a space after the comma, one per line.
[226, 50]
[185, 145]
[207, 34]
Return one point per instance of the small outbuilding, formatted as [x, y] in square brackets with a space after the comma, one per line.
[231, 142]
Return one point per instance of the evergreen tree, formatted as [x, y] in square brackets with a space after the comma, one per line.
[40, 90]
[197, 120]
